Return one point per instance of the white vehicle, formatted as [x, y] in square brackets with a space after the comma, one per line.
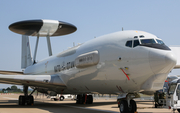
[62, 97]
[172, 96]
[122, 63]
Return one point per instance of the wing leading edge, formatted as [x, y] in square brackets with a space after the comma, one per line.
[11, 72]
[44, 81]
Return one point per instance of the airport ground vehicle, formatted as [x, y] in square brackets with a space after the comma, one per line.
[173, 96]
[61, 97]
[172, 99]
[159, 96]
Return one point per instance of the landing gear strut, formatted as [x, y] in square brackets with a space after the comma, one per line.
[84, 99]
[26, 99]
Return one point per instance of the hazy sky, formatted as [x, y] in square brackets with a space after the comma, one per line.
[92, 18]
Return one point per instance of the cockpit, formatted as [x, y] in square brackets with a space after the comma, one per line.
[147, 42]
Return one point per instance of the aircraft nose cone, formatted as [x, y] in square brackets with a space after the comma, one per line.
[161, 62]
[170, 59]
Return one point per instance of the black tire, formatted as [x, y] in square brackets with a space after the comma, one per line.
[123, 107]
[79, 99]
[83, 99]
[21, 100]
[89, 99]
[30, 100]
[133, 107]
[178, 110]
[61, 98]
[156, 105]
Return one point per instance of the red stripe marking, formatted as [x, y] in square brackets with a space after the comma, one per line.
[85, 99]
[119, 88]
[125, 74]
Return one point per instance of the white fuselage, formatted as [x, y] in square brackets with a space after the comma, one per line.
[146, 67]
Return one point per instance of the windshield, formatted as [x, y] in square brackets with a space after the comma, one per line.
[148, 41]
[159, 41]
[154, 43]
[172, 88]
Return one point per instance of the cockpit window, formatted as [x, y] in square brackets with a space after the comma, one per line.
[136, 43]
[129, 43]
[148, 41]
[142, 36]
[160, 42]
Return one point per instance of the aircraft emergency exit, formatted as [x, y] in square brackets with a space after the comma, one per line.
[123, 63]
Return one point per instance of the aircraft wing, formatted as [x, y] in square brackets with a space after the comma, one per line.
[176, 51]
[44, 81]
[11, 72]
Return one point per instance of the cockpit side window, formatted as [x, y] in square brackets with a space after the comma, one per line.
[160, 41]
[129, 43]
[148, 41]
[136, 43]
[142, 36]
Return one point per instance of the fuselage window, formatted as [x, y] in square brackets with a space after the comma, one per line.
[160, 42]
[129, 43]
[148, 41]
[136, 43]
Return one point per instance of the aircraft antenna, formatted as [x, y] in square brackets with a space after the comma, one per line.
[42, 28]
[122, 29]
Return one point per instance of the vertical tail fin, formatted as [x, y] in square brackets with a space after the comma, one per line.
[26, 58]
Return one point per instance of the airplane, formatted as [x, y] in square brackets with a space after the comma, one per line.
[122, 63]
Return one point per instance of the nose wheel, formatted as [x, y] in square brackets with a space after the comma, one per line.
[124, 108]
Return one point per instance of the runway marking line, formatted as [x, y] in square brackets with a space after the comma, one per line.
[11, 98]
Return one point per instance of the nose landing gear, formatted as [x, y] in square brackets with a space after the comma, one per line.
[125, 108]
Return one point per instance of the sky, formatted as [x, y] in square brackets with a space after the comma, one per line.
[92, 18]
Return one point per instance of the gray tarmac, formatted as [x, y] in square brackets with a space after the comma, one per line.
[9, 104]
